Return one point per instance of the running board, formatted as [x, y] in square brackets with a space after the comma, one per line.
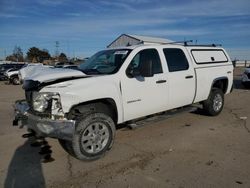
[159, 117]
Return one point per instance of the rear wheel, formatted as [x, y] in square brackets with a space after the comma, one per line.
[215, 102]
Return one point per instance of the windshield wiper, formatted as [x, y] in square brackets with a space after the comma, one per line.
[91, 71]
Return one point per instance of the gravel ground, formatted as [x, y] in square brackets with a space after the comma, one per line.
[187, 150]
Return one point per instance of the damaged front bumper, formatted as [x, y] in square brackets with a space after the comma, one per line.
[61, 129]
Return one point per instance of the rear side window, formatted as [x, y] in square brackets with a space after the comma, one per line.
[144, 56]
[176, 59]
[206, 56]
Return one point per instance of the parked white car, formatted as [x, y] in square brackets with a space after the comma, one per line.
[83, 108]
[246, 78]
[15, 77]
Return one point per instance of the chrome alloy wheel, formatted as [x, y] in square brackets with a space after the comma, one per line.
[95, 137]
[217, 102]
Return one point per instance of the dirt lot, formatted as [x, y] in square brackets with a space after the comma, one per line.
[188, 150]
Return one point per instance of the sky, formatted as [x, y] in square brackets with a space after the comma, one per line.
[84, 27]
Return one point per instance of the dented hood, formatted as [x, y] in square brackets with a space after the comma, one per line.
[48, 74]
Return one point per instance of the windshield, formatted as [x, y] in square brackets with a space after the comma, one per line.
[105, 62]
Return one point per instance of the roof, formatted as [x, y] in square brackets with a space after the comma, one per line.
[150, 39]
[124, 39]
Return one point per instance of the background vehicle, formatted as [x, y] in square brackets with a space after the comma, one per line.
[13, 74]
[8, 66]
[121, 85]
[68, 66]
[246, 78]
[12, 79]
[62, 64]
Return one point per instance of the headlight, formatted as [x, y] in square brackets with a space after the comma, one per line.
[41, 101]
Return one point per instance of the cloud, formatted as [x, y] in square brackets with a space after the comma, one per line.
[73, 14]
[100, 21]
[120, 5]
[8, 15]
[51, 2]
[210, 8]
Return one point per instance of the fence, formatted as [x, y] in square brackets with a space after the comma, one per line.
[241, 63]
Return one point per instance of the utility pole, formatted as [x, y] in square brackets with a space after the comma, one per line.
[68, 51]
[56, 48]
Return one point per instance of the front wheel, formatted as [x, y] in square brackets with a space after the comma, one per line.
[16, 81]
[94, 136]
[215, 102]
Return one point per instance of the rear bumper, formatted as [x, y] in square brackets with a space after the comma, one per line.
[61, 129]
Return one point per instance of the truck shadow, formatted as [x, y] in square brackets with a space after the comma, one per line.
[25, 168]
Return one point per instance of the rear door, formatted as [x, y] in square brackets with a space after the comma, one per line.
[181, 77]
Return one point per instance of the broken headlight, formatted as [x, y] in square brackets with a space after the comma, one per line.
[42, 101]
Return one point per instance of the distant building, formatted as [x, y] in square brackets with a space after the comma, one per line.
[129, 40]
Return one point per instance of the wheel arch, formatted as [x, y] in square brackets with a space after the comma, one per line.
[108, 102]
[14, 76]
[220, 83]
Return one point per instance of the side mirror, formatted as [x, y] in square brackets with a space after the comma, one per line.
[146, 70]
[132, 72]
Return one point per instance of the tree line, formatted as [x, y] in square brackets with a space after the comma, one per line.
[34, 55]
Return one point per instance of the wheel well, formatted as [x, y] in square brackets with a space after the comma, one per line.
[221, 83]
[14, 76]
[106, 102]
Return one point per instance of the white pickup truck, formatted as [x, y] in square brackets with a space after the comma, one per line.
[82, 107]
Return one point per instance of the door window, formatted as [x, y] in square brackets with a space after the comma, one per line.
[176, 59]
[146, 56]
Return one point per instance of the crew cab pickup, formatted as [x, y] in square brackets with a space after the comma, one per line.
[81, 108]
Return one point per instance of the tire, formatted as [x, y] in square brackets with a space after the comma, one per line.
[94, 136]
[15, 81]
[87, 116]
[215, 102]
[67, 146]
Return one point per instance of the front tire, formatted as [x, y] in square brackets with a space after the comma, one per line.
[94, 136]
[16, 81]
[215, 102]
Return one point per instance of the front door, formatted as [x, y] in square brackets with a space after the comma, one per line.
[144, 95]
